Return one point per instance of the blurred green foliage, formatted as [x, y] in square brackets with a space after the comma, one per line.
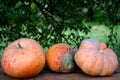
[54, 21]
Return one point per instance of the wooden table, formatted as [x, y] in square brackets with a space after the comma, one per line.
[78, 75]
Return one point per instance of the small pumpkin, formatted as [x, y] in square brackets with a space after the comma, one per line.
[94, 58]
[60, 58]
[23, 58]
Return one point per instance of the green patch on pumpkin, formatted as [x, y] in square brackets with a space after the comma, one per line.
[67, 64]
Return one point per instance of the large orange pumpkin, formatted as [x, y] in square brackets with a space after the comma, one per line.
[23, 58]
[94, 58]
[60, 58]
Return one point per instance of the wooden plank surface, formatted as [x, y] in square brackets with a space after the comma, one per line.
[78, 75]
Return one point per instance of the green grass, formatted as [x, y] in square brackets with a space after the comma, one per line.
[99, 32]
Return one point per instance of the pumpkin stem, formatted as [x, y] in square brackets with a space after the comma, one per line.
[19, 45]
[101, 51]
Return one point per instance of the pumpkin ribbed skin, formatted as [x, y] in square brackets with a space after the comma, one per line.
[60, 58]
[23, 58]
[94, 58]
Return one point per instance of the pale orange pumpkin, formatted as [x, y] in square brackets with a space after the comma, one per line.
[23, 58]
[94, 58]
[60, 58]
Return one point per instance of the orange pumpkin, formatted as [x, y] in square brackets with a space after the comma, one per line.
[23, 58]
[94, 58]
[60, 58]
